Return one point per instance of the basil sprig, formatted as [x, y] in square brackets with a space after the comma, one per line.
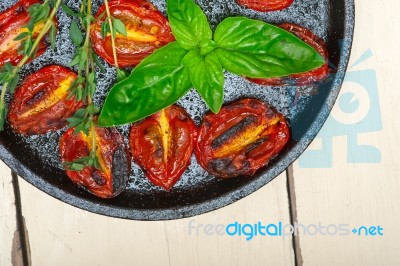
[240, 45]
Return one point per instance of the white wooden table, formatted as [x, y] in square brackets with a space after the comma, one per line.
[350, 192]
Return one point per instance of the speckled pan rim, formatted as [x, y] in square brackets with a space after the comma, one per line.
[224, 200]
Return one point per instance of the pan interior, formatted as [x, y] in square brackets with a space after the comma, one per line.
[36, 158]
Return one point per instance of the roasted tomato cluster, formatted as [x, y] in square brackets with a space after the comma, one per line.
[112, 154]
[12, 24]
[265, 5]
[241, 138]
[238, 141]
[307, 78]
[162, 145]
[42, 102]
[146, 27]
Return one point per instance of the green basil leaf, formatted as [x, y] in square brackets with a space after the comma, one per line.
[208, 79]
[157, 82]
[206, 46]
[188, 23]
[259, 50]
[192, 57]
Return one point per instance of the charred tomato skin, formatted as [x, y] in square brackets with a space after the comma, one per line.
[148, 27]
[162, 145]
[265, 5]
[113, 155]
[12, 23]
[41, 103]
[243, 137]
[301, 79]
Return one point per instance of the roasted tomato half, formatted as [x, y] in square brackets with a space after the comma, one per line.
[12, 24]
[41, 103]
[265, 5]
[241, 138]
[111, 153]
[147, 29]
[307, 78]
[162, 145]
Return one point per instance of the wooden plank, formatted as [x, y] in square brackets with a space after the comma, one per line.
[10, 248]
[362, 188]
[63, 235]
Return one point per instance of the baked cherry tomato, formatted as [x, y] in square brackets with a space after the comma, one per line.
[162, 145]
[112, 155]
[241, 138]
[306, 78]
[265, 5]
[147, 29]
[12, 24]
[41, 103]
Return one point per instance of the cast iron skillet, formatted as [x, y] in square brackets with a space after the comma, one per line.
[36, 158]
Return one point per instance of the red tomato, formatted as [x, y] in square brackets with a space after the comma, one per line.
[147, 29]
[162, 145]
[265, 5]
[12, 23]
[40, 104]
[113, 157]
[307, 78]
[241, 138]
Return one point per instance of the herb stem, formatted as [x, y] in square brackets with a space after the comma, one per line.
[87, 38]
[87, 71]
[114, 50]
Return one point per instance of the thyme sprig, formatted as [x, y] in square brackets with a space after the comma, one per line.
[9, 74]
[85, 60]
[84, 86]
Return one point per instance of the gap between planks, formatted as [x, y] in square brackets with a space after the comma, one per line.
[298, 259]
[21, 227]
